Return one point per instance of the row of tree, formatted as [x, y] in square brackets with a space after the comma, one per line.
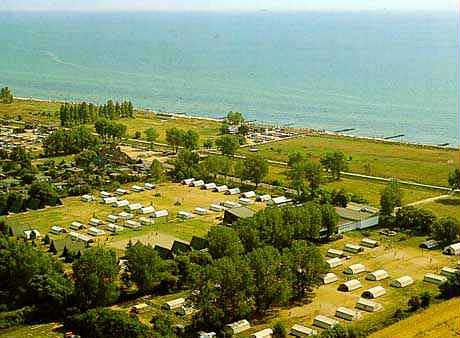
[6, 96]
[109, 129]
[71, 114]
[176, 138]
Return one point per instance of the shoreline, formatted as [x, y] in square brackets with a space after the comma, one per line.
[296, 130]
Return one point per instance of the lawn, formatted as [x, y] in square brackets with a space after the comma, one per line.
[31, 110]
[172, 196]
[205, 128]
[428, 165]
[33, 331]
[438, 321]
[445, 207]
[397, 257]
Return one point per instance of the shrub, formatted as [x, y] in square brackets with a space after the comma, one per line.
[279, 330]
[425, 300]
[414, 303]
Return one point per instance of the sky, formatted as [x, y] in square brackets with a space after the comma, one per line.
[229, 5]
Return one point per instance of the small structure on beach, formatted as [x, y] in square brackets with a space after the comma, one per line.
[355, 269]
[368, 305]
[377, 275]
[325, 322]
[350, 285]
[375, 292]
[347, 314]
[402, 282]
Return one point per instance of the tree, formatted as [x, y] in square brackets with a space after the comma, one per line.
[270, 279]
[156, 170]
[44, 193]
[185, 164]
[445, 229]
[414, 303]
[255, 168]
[330, 219]
[414, 218]
[102, 323]
[306, 264]
[334, 162]
[208, 143]
[425, 299]
[163, 325]
[339, 198]
[6, 97]
[151, 135]
[95, 275]
[174, 137]
[390, 198]
[224, 241]
[145, 267]
[454, 179]
[279, 330]
[235, 118]
[190, 140]
[228, 144]
[302, 172]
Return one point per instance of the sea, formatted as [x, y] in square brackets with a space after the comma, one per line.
[380, 74]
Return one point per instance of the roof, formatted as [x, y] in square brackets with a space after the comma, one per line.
[241, 212]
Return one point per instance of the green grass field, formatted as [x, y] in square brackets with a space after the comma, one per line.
[406, 162]
[33, 331]
[445, 207]
[31, 110]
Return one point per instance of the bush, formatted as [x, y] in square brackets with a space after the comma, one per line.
[425, 300]
[16, 317]
[279, 330]
[414, 303]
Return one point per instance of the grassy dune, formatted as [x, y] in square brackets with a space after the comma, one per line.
[420, 164]
[439, 321]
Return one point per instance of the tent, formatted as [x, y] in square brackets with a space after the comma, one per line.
[302, 331]
[109, 200]
[93, 231]
[347, 314]
[147, 210]
[221, 188]
[202, 334]
[125, 215]
[368, 305]
[216, 207]
[263, 198]
[133, 224]
[329, 278]
[449, 272]
[114, 228]
[246, 201]
[137, 188]
[76, 236]
[201, 211]
[434, 279]
[174, 304]
[28, 234]
[375, 292]
[265, 333]
[146, 220]
[149, 186]
[160, 213]
[350, 285]
[198, 183]
[238, 327]
[56, 229]
[377, 275]
[355, 269]
[335, 253]
[134, 207]
[370, 243]
[230, 204]
[188, 181]
[279, 201]
[86, 198]
[248, 194]
[120, 191]
[453, 249]
[184, 215]
[139, 308]
[402, 282]
[105, 194]
[112, 218]
[120, 204]
[334, 262]
[95, 222]
[353, 248]
[233, 191]
[325, 322]
[429, 244]
[76, 225]
[210, 186]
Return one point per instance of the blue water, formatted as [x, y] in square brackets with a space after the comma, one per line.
[381, 73]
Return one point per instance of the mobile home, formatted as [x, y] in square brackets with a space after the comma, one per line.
[402, 282]
[347, 314]
[325, 322]
[434, 279]
[302, 331]
[355, 269]
[375, 292]
[377, 275]
[350, 285]
[368, 305]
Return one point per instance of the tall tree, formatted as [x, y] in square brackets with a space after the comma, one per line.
[224, 241]
[228, 144]
[95, 275]
[454, 179]
[445, 229]
[334, 162]
[6, 96]
[390, 198]
[255, 168]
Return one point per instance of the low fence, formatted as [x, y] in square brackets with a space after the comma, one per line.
[362, 224]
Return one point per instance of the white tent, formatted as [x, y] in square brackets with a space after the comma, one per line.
[370, 243]
[230, 204]
[114, 228]
[281, 200]
[233, 191]
[350, 285]
[347, 314]
[198, 183]
[137, 188]
[246, 201]
[76, 225]
[28, 233]
[325, 322]
[355, 269]
[402, 282]
[125, 215]
[239, 326]
[377, 275]
[174, 304]
[188, 181]
[449, 272]
[184, 214]
[335, 253]
[149, 186]
[334, 262]
[76, 236]
[147, 210]
[248, 194]
[134, 207]
[216, 207]
[105, 194]
[201, 211]
[265, 333]
[434, 279]
[160, 213]
[120, 204]
[221, 188]
[453, 249]
[86, 198]
[133, 224]
[93, 231]
[55, 229]
[353, 248]
[302, 331]
[210, 186]
[120, 191]
[375, 292]
[264, 198]
[95, 222]
[112, 218]
[146, 220]
[329, 278]
[109, 200]
[368, 305]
